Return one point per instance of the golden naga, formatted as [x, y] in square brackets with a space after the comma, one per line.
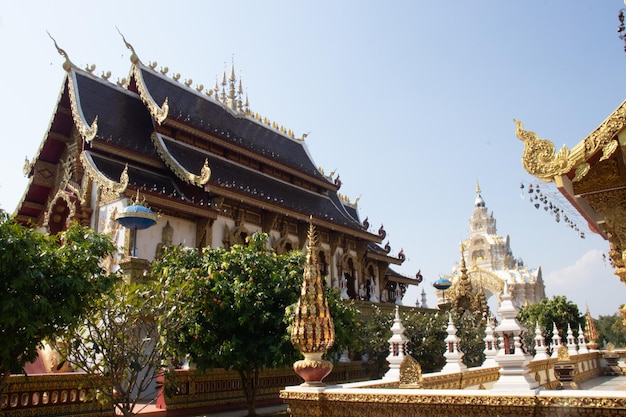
[539, 157]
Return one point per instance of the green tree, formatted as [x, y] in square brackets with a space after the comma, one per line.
[547, 312]
[374, 340]
[471, 331]
[611, 329]
[426, 333]
[118, 344]
[235, 303]
[47, 283]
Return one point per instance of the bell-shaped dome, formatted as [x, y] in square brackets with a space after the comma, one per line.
[137, 217]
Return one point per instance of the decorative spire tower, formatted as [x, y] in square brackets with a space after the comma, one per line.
[487, 259]
[512, 357]
[454, 357]
[397, 348]
[582, 344]
[591, 332]
[540, 344]
[312, 332]
[572, 348]
[491, 348]
[556, 341]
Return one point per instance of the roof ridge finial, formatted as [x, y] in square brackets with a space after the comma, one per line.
[232, 81]
[477, 187]
[133, 56]
[67, 65]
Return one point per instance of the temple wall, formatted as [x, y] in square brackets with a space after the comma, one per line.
[454, 394]
[183, 233]
[61, 394]
[364, 402]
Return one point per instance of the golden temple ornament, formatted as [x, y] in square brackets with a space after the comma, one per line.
[539, 157]
[313, 331]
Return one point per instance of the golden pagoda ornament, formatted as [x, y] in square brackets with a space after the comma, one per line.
[591, 332]
[312, 332]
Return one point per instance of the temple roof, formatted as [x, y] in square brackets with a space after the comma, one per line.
[205, 114]
[173, 142]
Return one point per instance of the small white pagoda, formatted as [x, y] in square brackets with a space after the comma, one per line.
[512, 357]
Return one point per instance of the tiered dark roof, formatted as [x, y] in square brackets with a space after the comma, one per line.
[279, 175]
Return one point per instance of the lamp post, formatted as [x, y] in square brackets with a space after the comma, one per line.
[442, 284]
[136, 217]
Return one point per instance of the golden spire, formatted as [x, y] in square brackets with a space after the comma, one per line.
[232, 99]
[591, 332]
[312, 330]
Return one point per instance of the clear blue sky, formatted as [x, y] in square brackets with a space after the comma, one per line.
[411, 101]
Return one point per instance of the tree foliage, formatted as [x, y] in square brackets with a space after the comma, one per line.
[611, 329]
[547, 312]
[235, 300]
[118, 345]
[374, 338]
[471, 331]
[426, 333]
[46, 284]
[235, 308]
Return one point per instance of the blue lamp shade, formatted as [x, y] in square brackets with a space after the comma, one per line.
[136, 217]
[442, 284]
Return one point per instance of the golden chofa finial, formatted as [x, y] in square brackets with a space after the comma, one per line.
[540, 158]
[67, 65]
[133, 56]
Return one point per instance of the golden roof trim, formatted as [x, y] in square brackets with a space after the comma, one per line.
[87, 131]
[177, 168]
[540, 159]
[98, 177]
[159, 113]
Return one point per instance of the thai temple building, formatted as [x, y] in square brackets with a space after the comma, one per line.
[487, 262]
[210, 169]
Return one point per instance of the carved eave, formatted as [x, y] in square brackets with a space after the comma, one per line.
[106, 184]
[87, 131]
[158, 111]
[393, 276]
[177, 167]
[384, 258]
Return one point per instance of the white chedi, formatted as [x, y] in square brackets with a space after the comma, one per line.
[540, 345]
[572, 348]
[582, 343]
[491, 345]
[556, 341]
[454, 357]
[512, 357]
[397, 348]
